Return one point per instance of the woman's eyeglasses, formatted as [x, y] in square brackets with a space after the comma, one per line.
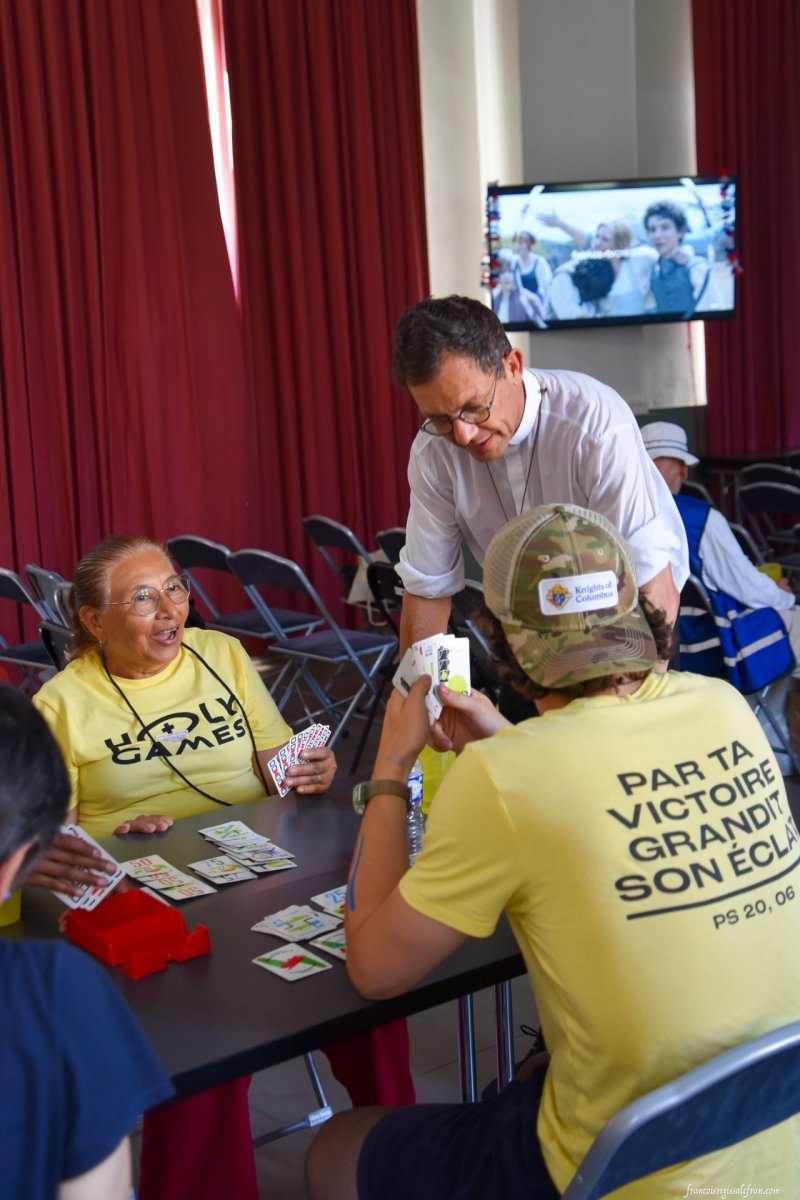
[147, 600]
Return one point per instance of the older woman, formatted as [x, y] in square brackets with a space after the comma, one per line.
[156, 723]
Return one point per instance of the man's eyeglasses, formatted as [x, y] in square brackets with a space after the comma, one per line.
[147, 600]
[442, 426]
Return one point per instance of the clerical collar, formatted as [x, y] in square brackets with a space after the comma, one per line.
[533, 400]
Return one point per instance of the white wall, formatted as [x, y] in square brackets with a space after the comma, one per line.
[517, 90]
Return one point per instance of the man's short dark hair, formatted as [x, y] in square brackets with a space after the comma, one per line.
[669, 211]
[34, 786]
[448, 325]
[512, 673]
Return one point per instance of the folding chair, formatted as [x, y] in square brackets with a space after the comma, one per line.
[387, 592]
[762, 502]
[690, 487]
[29, 658]
[330, 647]
[191, 553]
[701, 650]
[58, 641]
[391, 542]
[747, 543]
[730, 1098]
[464, 610]
[48, 587]
[330, 535]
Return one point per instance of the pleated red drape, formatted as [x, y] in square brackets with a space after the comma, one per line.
[328, 165]
[747, 87]
[122, 379]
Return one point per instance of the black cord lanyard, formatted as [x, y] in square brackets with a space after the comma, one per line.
[165, 758]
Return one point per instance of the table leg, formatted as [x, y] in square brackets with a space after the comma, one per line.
[504, 1033]
[466, 1050]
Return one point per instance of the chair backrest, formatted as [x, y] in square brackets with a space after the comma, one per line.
[45, 586]
[777, 498]
[391, 542]
[768, 473]
[12, 588]
[330, 535]
[733, 1096]
[61, 602]
[464, 609]
[191, 552]
[256, 569]
[747, 543]
[690, 487]
[58, 641]
[387, 591]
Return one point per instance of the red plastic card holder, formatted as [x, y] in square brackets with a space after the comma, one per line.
[137, 933]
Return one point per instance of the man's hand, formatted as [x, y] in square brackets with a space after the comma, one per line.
[145, 824]
[406, 726]
[69, 865]
[464, 719]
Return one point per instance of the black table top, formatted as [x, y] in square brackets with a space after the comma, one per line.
[220, 1016]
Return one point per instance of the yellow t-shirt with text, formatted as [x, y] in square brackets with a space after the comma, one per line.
[644, 852]
[118, 769]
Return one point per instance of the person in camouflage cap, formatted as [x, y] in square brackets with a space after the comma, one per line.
[604, 832]
[560, 581]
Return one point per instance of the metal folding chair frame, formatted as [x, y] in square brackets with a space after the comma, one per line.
[260, 568]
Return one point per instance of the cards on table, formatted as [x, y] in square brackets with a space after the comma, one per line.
[333, 943]
[445, 658]
[332, 901]
[155, 872]
[292, 752]
[90, 896]
[292, 962]
[250, 850]
[222, 869]
[297, 922]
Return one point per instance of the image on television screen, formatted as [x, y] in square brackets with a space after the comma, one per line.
[637, 251]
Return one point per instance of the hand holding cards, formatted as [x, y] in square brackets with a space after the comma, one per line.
[90, 894]
[292, 753]
[445, 658]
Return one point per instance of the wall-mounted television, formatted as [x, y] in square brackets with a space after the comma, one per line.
[578, 255]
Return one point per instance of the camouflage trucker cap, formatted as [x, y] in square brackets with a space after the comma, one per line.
[561, 582]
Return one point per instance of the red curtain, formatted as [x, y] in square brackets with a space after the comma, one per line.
[328, 164]
[747, 87]
[122, 379]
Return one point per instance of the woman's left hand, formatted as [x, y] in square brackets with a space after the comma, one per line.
[314, 774]
[145, 824]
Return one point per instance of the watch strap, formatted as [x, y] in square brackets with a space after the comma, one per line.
[363, 792]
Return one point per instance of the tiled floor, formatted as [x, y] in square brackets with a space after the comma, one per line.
[283, 1093]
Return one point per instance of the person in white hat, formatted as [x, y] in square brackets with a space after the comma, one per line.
[714, 553]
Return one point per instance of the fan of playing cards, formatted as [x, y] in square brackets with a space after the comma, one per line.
[292, 752]
[445, 658]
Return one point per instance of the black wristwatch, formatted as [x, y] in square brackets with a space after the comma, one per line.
[363, 792]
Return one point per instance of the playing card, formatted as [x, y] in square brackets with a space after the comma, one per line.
[141, 868]
[296, 921]
[332, 901]
[188, 891]
[90, 896]
[221, 869]
[229, 831]
[445, 658]
[277, 864]
[332, 943]
[291, 962]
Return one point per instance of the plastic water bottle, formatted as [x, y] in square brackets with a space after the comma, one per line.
[415, 821]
